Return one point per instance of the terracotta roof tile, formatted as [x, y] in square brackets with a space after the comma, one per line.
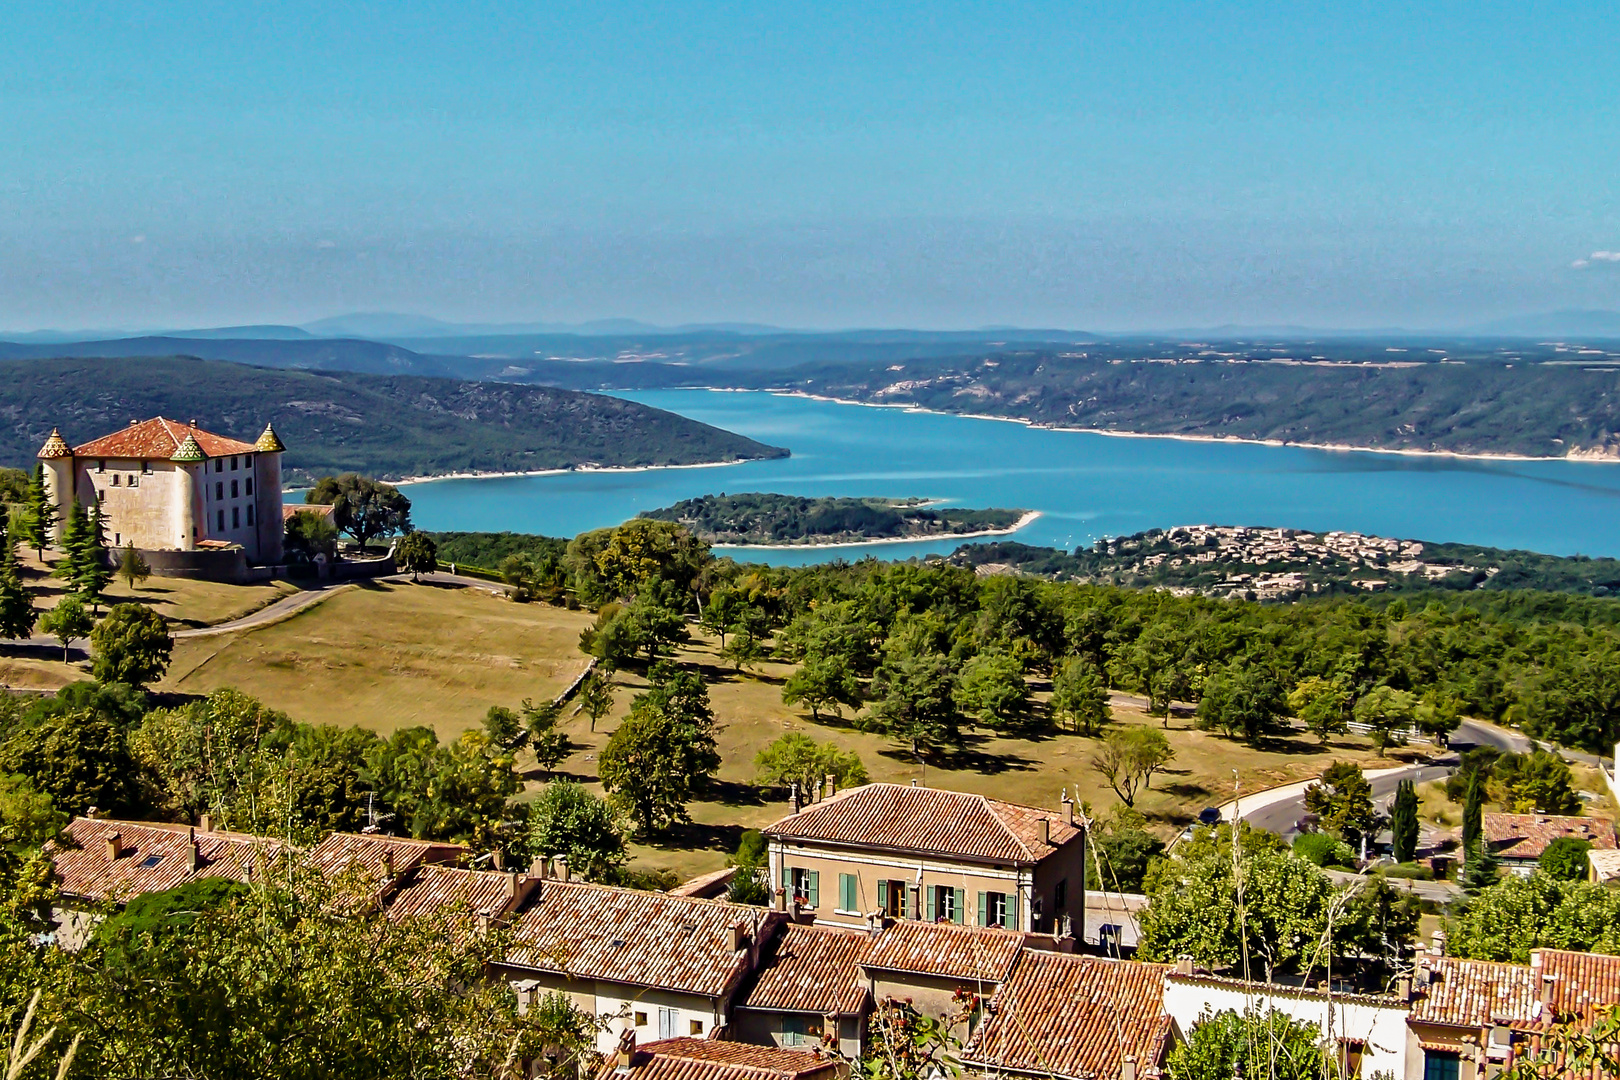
[944, 949]
[1526, 836]
[431, 889]
[1075, 1016]
[813, 969]
[907, 818]
[1582, 983]
[153, 857]
[159, 438]
[1475, 993]
[634, 937]
[713, 1059]
[380, 856]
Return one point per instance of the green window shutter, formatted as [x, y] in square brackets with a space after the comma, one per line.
[787, 877]
[883, 895]
[931, 892]
[846, 892]
[1012, 910]
[815, 887]
[984, 909]
[957, 914]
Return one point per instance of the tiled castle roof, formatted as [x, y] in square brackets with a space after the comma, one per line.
[900, 816]
[159, 438]
[55, 447]
[269, 442]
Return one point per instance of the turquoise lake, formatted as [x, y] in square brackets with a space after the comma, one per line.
[1085, 486]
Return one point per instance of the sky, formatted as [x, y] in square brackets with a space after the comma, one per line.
[950, 165]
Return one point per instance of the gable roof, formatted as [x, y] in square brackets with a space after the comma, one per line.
[641, 938]
[713, 1059]
[811, 969]
[1075, 1016]
[159, 438]
[431, 888]
[1579, 983]
[946, 950]
[1475, 993]
[153, 856]
[1526, 836]
[380, 856]
[907, 818]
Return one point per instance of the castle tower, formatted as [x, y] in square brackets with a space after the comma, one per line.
[267, 495]
[57, 457]
[186, 458]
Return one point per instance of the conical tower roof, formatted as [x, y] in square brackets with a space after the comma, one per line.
[55, 446]
[188, 451]
[268, 442]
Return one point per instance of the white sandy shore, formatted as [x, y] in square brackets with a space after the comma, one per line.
[1029, 516]
[1338, 447]
[575, 469]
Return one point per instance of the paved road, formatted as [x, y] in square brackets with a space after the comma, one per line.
[1440, 892]
[1279, 810]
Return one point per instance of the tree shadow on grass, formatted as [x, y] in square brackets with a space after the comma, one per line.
[697, 836]
[1184, 790]
[37, 650]
[966, 758]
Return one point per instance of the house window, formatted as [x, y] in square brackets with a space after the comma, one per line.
[250, 515]
[1061, 896]
[892, 898]
[998, 909]
[222, 521]
[236, 517]
[695, 1027]
[641, 1019]
[236, 489]
[150, 861]
[1108, 938]
[848, 889]
[219, 490]
[803, 885]
[944, 904]
[248, 487]
[794, 1030]
[667, 1019]
[1441, 1064]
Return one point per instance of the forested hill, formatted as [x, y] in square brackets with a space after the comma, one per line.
[762, 518]
[390, 426]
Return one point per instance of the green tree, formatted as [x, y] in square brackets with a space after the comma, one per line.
[94, 570]
[991, 689]
[1403, 822]
[1080, 696]
[68, 622]
[916, 701]
[1124, 853]
[132, 567]
[418, 553]
[206, 757]
[1388, 714]
[1538, 782]
[76, 756]
[568, 820]
[655, 763]
[1438, 715]
[752, 859]
[1270, 1045]
[1242, 700]
[744, 649]
[39, 520]
[1156, 662]
[455, 792]
[17, 615]
[796, 758]
[364, 508]
[1342, 802]
[308, 534]
[1565, 858]
[549, 744]
[74, 538]
[1324, 849]
[1128, 758]
[1473, 810]
[823, 682]
[1322, 705]
[132, 646]
[723, 611]
[1508, 919]
[596, 696]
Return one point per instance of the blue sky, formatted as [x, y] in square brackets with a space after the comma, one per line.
[934, 164]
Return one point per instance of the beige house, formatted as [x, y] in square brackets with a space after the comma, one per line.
[809, 990]
[166, 486]
[932, 855]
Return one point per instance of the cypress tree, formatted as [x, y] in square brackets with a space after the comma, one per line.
[75, 534]
[1403, 822]
[40, 517]
[1473, 810]
[93, 571]
[16, 606]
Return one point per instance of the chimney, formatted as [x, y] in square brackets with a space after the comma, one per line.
[1439, 947]
[388, 863]
[205, 822]
[1046, 831]
[540, 868]
[1127, 1068]
[193, 851]
[832, 785]
[561, 862]
[1547, 983]
[797, 805]
[1403, 988]
[739, 935]
[626, 1050]
[1068, 807]
[781, 899]
[497, 859]
[1184, 965]
[115, 846]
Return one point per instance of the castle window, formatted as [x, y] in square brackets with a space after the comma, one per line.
[146, 467]
[134, 481]
[222, 521]
[247, 462]
[236, 517]
[118, 539]
[250, 485]
[219, 466]
[234, 462]
[115, 480]
[250, 514]
[235, 489]
[101, 466]
[219, 489]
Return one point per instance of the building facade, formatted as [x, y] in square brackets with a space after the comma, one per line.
[166, 486]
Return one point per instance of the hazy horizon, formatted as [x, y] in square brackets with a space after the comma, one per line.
[1121, 169]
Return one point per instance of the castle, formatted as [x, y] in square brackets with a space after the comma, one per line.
[170, 488]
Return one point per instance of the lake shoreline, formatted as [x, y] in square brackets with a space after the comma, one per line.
[1028, 517]
[572, 469]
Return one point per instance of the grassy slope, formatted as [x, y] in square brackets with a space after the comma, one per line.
[383, 425]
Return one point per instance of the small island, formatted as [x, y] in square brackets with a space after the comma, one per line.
[760, 518]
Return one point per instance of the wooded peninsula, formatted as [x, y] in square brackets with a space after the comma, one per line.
[764, 518]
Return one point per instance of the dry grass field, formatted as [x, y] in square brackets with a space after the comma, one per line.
[387, 656]
[183, 603]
